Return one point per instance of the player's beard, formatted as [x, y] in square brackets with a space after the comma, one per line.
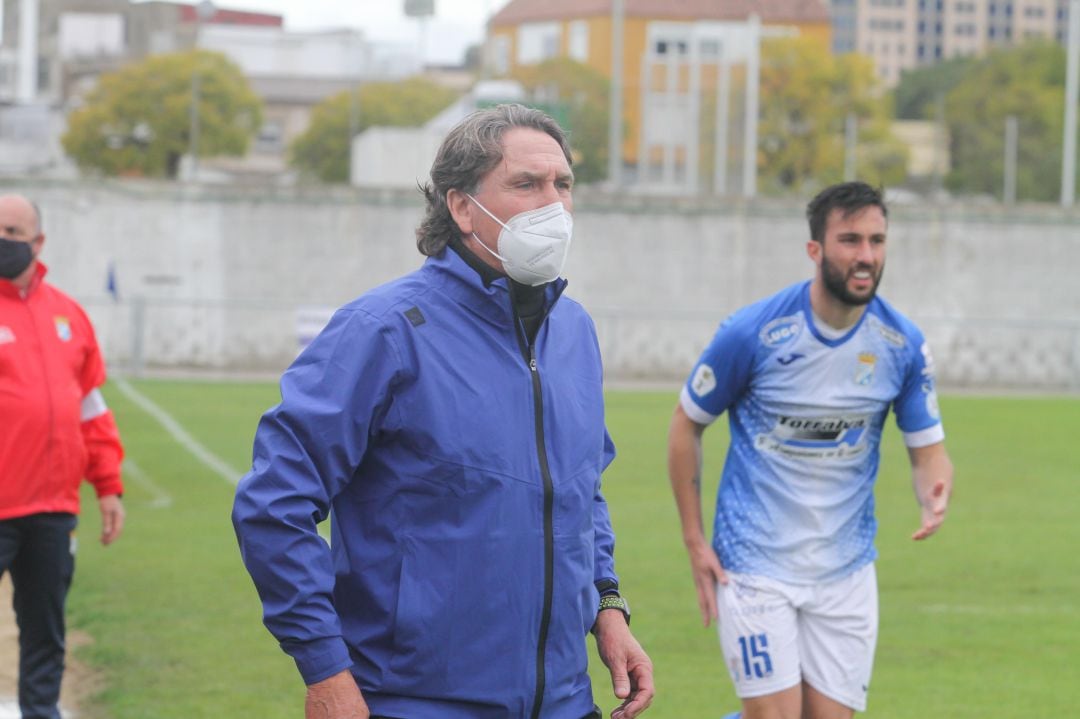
[835, 281]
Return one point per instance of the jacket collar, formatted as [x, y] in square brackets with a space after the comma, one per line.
[8, 288]
[490, 300]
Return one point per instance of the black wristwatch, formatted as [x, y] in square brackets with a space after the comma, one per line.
[615, 601]
[611, 599]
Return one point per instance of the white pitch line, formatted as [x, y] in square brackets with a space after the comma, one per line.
[983, 610]
[177, 432]
[161, 498]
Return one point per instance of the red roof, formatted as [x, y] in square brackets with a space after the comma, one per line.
[222, 16]
[770, 11]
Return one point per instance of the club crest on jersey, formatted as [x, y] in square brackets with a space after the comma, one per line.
[864, 372]
[704, 380]
[6, 335]
[780, 330]
[63, 328]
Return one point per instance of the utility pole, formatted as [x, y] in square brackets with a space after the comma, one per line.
[851, 138]
[1068, 164]
[1012, 133]
[203, 11]
[26, 78]
[615, 98]
[753, 81]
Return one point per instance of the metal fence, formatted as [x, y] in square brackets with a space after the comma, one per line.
[261, 336]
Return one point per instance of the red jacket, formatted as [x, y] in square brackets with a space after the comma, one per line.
[49, 362]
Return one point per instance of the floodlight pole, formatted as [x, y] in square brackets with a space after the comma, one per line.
[203, 11]
[1068, 165]
[1012, 134]
[750, 121]
[851, 139]
[615, 97]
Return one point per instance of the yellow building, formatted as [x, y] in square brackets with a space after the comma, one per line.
[527, 32]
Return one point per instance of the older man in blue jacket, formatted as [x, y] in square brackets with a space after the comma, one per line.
[451, 422]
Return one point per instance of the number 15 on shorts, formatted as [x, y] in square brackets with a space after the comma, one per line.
[756, 663]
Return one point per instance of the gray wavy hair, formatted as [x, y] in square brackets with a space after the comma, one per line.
[469, 152]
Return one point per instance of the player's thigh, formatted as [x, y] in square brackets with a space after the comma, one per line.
[818, 706]
[758, 635]
[837, 637]
[784, 704]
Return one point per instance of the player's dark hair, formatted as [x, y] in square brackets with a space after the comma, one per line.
[471, 149]
[848, 197]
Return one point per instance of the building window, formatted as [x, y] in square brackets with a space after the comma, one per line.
[579, 40]
[499, 55]
[269, 140]
[537, 41]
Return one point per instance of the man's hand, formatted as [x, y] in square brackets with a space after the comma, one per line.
[631, 669]
[337, 697]
[933, 509]
[705, 566]
[112, 518]
[932, 478]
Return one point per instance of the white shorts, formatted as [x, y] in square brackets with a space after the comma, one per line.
[775, 635]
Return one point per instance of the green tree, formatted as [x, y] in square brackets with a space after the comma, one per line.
[577, 96]
[137, 119]
[916, 95]
[322, 151]
[806, 95]
[1028, 82]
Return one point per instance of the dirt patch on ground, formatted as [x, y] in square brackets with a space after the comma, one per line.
[80, 682]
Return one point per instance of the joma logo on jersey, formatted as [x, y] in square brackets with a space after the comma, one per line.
[779, 331]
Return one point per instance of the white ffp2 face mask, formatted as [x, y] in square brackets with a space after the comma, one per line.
[533, 245]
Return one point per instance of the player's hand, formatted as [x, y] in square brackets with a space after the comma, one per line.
[707, 572]
[933, 506]
[337, 697]
[630, 667]
[112, 518]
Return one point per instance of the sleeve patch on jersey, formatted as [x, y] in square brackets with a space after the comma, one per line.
[704, 380]
[928, 361]
[780, 330]
[93, 405]
[932, 408]
[893, 337]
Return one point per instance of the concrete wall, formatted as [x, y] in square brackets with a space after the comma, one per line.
[219, 281]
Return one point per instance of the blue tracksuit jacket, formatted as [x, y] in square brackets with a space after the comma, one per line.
[461, 471]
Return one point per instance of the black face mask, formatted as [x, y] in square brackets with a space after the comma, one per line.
[15, 257]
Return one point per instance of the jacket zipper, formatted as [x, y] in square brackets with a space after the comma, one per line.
[528, 353]
[549, 534]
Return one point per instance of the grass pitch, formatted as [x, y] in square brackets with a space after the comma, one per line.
[980, 621]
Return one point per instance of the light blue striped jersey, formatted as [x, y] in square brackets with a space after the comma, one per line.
[806, 413]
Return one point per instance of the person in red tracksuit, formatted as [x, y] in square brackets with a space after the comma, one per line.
[55, 430]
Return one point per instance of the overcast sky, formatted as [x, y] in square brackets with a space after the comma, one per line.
[456, 24]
